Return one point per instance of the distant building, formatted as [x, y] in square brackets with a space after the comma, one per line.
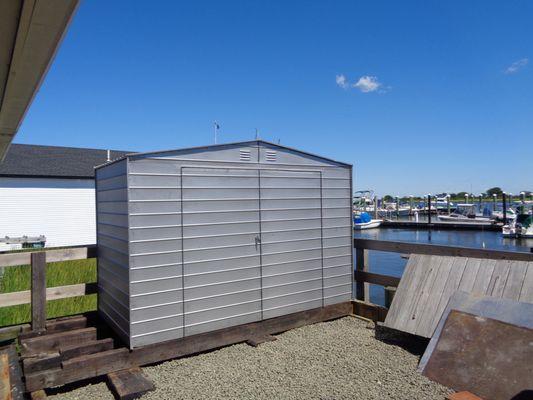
[49, 190]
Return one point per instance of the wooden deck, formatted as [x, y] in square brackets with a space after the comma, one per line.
[429, 281]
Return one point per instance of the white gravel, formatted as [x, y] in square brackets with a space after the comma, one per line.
[335, 360]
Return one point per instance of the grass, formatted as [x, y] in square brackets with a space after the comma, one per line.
[17, 278]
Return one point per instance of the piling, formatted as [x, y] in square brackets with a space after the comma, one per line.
[504, 205]
[494, 196]
[375, 208]
[466, 198]
[448, 204]
[523, 202]
[429, 209]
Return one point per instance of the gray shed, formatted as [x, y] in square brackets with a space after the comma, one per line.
[200, 239]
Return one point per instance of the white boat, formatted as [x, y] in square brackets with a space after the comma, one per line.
[522, 226]
[373, 223]
[364, 221]
[466, 213]
[498, 215]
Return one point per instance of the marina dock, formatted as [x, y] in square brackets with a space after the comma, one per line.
[442, 225]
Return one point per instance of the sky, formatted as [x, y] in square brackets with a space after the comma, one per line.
[420, 96]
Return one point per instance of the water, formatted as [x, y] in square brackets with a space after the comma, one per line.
[392, 264]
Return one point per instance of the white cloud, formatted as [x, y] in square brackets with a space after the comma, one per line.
[367, 84]
[342, 81]
[516, 66]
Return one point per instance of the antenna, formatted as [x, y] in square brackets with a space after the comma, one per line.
[256, 134]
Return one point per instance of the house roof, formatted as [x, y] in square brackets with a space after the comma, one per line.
[27, 160]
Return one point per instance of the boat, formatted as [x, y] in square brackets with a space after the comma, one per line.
[441, 203]
[498, 215]
[521, 226]
[364, 221]
[466, 213]
[363, 200]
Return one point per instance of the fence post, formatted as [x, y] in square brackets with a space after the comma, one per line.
[38, 291]
[361, 264]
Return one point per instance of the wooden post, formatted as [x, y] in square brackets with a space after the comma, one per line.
[397, 207]
[375, 208]
[389, 295]
[448, 204]
[38, 291]
[504, 205]
[429, 209]
[494, 202]
[361, 289]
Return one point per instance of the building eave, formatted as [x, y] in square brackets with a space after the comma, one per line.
[30, 34]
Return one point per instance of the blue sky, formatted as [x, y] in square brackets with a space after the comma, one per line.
[421, 96]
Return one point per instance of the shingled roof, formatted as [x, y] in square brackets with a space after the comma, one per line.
[28, 160]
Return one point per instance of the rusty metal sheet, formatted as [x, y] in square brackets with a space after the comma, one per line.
[489, 358]
[505, 310]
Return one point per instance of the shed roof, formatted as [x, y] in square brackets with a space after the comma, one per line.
[27, 160]
[258, 142]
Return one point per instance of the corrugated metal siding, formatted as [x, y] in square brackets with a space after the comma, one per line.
[60, 209]
[113, 249]
[220, 239]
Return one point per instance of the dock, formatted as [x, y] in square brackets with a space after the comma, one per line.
[442, 225]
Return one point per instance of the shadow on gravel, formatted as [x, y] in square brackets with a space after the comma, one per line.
[415, 345]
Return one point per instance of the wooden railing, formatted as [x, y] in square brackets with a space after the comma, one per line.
[363, 277]
[39, 293]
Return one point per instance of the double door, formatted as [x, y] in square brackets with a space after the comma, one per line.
[252, 245]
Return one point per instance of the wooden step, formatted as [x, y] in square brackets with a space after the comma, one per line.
[50, 343]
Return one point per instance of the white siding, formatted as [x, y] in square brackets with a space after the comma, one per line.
[61, 209]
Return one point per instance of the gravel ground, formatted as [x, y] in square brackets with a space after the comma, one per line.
[335, 360]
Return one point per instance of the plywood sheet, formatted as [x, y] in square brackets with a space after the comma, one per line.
[429, 281]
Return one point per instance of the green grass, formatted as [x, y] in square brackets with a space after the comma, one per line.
[18, 278]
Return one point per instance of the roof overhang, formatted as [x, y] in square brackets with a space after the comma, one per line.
[30, 34]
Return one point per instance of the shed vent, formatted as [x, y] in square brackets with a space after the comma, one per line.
[245, 155]
[271, 155]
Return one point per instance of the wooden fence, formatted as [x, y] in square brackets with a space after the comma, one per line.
[39, 294]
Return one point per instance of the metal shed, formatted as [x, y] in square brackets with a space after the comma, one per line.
[200, 239]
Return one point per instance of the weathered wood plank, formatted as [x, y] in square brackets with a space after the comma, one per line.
[81, 349]
[38, 291]
[422, 295]
[52, 342]
[401, 294]
[425, 325]
[102, 363]
[431, 249]
[52, 293]
[5, 381]
[370, 311]
[526, 293]
[15, 372]
[405, 314]
[129, 384]
[481, 283]
[498, 278]
[41, 362]
[376, 279]
[469, 275]
[515, 280]
[451, 285]
[24, 258]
